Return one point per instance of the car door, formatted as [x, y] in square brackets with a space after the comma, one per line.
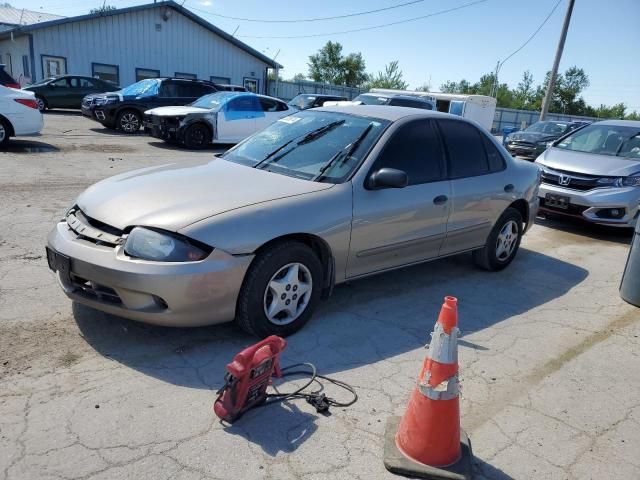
[479, 184]
[57, 92]
[77, 90]
[238, 119]
[399, 226]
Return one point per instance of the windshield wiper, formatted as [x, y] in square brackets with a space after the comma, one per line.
[344, 154]
[312, 135]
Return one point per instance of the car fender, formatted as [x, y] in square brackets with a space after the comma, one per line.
[326, 214]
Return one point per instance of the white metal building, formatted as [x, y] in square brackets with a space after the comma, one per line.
[129, 44]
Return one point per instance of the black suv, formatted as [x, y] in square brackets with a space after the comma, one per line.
[125, 108]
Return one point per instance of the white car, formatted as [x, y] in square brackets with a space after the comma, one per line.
[222, 117]
[19, 114]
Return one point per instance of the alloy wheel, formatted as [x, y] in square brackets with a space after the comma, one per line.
[288, 293]
[129, 122]
[41, 105]
[507, 240]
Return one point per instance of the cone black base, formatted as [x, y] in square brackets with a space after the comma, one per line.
[396, 462]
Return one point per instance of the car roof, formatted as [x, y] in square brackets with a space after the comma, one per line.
[386, 112]
[619, 123]
[319, 95]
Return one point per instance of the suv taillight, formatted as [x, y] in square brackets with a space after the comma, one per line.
[27, 102]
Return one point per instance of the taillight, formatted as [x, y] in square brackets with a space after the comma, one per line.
[27, 103]
[13, 85]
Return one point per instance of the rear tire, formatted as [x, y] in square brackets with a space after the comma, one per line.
[129, 121]
[197, 136]
[503, 242]
[5, 132]
[42, 104]
[270, 300]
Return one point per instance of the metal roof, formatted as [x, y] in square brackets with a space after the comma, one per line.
[21, 16]
[161, 4]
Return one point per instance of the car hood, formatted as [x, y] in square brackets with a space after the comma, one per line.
[176, 195]
[589, 163]
[532, 137]
[173, 111]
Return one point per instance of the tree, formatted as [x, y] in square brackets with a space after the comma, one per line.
[330, 66]
[390, 78]
[298, 77]
[102, 9]
[425, 87]
[523, 96]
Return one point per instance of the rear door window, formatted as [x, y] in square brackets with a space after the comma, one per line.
[268, 105]
[244, 103]
[414, 148]
[494, 157]
[465, 149]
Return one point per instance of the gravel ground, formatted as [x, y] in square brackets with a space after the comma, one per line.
[548, 358]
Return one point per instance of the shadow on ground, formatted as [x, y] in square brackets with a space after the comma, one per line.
[587, 230]
[74, 112]
[486, 471]
[28, 146]
[215, 148]
[117, 133]
[364, 322]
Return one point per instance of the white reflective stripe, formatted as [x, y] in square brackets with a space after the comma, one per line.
[444, 347]
[447, 390]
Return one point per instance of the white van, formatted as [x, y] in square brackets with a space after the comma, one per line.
[479, 108]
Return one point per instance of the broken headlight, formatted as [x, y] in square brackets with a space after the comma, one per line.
[160, 246]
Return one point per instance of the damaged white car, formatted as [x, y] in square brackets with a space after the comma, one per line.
[222, 117]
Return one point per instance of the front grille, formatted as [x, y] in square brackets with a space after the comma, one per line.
[87, 102]
[93, 230]
[571, 180]
[95, 291]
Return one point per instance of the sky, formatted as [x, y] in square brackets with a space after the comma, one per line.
[603, 37]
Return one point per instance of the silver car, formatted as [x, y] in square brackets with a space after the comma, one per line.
[263, 232]
[594, 174]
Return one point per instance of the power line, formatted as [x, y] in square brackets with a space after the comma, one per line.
[534, 33]
[440, 12]
[531, 37]
[301, 20]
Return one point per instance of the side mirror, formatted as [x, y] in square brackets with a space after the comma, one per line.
[388, 178]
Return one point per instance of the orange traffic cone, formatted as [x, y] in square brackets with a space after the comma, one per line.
[429, 442]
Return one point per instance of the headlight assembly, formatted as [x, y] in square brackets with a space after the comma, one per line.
[159, 246]
[631, 181]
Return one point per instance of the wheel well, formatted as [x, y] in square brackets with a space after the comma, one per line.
[319, 247]
[523, 207]
[12, 132]
[129, 109]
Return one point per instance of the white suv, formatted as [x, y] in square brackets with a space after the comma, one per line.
[19, 114]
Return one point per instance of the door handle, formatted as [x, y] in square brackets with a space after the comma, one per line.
[440, 200]
[509, 188]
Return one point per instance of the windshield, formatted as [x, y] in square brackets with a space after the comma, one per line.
[614, 140]
[549, 128]
[143, 88]
[302, 101]
[302, 144]
[371, 100]
[214, 101]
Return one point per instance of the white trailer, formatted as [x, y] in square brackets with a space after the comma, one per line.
[479, 108]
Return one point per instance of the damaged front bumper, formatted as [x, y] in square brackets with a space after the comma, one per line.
[163, 293]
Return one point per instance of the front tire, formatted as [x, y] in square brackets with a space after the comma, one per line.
[503, 242]
[197, 136]
[281, 290]
[129, 121]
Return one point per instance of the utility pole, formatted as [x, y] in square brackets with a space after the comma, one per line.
[556, 63]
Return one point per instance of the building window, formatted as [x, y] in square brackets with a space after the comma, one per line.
[25, 66]
[142, 73]
[221, 80]
[52, 65]
[188, 76]
[103, 71]
[251, 84]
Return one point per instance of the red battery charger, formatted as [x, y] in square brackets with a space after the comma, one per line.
[248, 377]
